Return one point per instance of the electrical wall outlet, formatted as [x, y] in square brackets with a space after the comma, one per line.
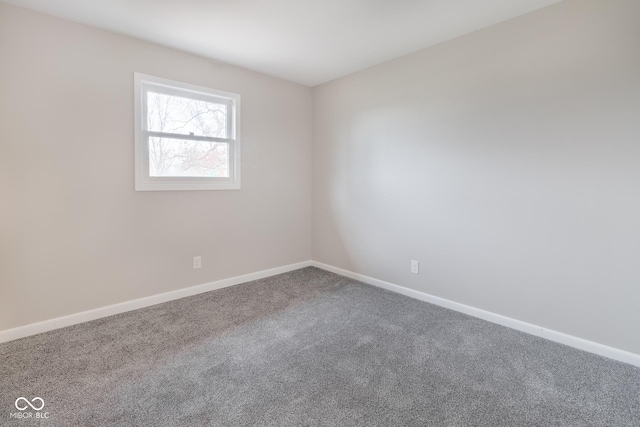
[415, 267]
[197, 262]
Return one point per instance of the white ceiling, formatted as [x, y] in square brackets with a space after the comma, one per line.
[308, 42]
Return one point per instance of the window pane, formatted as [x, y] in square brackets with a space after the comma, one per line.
[176, 157]
[175, 114]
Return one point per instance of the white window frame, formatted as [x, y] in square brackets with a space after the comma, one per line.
[144, 182]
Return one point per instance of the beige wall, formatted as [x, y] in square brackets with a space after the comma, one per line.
[74, 235]
[507, 162]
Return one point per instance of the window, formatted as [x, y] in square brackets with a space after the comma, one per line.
[187, 137]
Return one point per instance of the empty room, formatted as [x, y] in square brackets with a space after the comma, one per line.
[330, 213]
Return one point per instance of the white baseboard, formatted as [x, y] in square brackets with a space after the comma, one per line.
[110, 310]
[98, 313]
[559, 337]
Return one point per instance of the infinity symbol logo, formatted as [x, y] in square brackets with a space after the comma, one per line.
[33, 401]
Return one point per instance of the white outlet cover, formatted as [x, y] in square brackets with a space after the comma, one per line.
[415, 267]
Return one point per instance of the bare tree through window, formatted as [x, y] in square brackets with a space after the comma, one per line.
[184, 157]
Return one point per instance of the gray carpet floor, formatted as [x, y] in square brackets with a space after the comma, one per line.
[310, 348]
